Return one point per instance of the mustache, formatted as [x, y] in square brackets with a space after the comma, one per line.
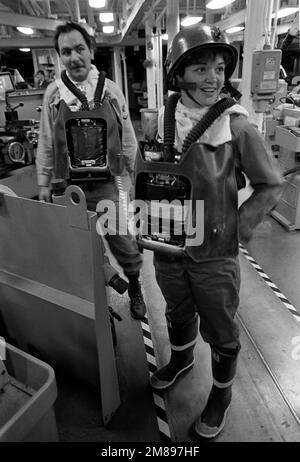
[76, 66]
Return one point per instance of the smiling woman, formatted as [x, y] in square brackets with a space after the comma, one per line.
[204, 139]
[203, 81]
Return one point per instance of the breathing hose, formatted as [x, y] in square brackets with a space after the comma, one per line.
[169, 124]
[213, 113]
[75, 90]
[80, 95]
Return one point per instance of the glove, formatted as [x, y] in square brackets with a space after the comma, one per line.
[44, 194]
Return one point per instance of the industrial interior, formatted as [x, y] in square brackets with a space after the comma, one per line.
[74, 364]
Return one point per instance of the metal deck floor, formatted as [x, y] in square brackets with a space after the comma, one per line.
[258, 412]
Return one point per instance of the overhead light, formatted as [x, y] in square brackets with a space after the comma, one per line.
[233, 30]
[285, 12]
[106, 17]
[164, 36]
[25, 30]
[108, 29]
[26, 50]
[216, 4]
[97, 3]
[190, 20]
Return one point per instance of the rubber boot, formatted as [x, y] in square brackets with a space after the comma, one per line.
[212, 420]
[137, 304]
[183, 337]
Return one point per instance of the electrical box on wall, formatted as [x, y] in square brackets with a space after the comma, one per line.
[265, 77]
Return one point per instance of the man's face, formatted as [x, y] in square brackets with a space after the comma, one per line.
[75, 55]
[209, 75]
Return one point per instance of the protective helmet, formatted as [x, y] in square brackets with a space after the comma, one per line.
[194, 38]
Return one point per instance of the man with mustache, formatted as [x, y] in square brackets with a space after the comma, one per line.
[76, 90]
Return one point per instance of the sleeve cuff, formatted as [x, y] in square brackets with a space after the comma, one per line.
[43, 180]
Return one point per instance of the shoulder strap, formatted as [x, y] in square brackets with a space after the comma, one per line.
[169, 126]
[99, 89]
[80, 95]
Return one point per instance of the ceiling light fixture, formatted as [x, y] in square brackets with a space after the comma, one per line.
[26, 50]
[190, 20]
[233, 30]
[106, 17]
[285, 12]
[25, 30]
[97, 3]
[216, 4]
[108, 29]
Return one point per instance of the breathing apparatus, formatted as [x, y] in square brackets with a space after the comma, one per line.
[88, 149]
[165, 175]
[87, 143]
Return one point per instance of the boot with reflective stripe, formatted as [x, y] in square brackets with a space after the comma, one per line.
[212, 420]
[183, 337]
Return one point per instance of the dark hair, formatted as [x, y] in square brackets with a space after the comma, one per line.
[204, 53]
[68, 27]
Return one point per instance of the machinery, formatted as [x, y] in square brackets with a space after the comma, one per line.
[265, 77]
[287, 138]
[18, 137]
[18, 140]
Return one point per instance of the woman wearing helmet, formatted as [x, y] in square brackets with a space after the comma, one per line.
[205, 280]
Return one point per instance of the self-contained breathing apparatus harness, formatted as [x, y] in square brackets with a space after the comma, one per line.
[197, 131]
[165, 179]
[80, 95]
[87, 143]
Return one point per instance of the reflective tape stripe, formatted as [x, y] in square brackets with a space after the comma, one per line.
[223, 384]
[161, 414]
[272, 286]
[183, 347]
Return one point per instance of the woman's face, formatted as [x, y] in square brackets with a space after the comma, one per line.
[209, 76]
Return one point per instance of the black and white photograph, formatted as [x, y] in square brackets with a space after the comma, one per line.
[149, 225]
